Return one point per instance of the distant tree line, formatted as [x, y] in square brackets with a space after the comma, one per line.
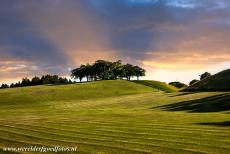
[99, 70]
[202, 77]
[178, 84]
[106, 70]
[45, 79]
[182, 85]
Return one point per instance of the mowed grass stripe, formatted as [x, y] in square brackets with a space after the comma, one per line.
[163, 133]
[153, 123]
[111, 114]
[116, 147]
[118, 133]
[121, 145]
[35, 139]
[128, 124]
[83, 146]
[132, 129]
[153, 137]
[155, 126]
[129, 139]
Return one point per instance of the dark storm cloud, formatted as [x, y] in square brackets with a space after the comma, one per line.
[137, 27]
[51, 35]
[20, 42]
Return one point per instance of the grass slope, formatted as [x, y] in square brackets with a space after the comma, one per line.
[162, 86]
[217, 82]
[114, 117]
[81, 91]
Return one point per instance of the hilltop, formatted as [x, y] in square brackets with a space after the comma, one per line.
[217, 82]
[161, 86]
[80, 91]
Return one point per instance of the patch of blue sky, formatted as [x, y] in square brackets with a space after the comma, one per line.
[182, 3]
[143, 1]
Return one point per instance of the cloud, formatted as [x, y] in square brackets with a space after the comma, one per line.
[52, 36]
[23, 50]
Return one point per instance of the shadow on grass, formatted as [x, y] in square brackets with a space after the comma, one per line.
[183, 94]
[225, 123]
[215, 103]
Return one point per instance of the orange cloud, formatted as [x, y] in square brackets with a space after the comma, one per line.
[184, 60]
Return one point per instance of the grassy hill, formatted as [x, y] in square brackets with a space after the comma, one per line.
[81, 91]
[162, 86]
[115, 117]
[217, 82]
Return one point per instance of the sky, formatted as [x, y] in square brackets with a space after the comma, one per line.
[174, 40]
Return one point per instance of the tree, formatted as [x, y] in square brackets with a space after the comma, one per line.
[87, 71]
[103, 69]
[205, 75]
[117, 69]
[63, 80]
[18, 84]
[178, 84]
[3, 86]
[36, 81]
[25, 82]
[193, 82]
[139, 72]
[129, 71]
[106, 70]
[77, 74]
[50, 79]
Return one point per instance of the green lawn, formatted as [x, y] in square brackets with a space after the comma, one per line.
[161, 86]
[115, 117]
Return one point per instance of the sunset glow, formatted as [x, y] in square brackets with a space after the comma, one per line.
[171, 39]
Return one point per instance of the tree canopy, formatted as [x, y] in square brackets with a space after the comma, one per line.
[205, 75]
[106, 70]
[45, 79]
[178, 84]
[99, 70]
[193, 82]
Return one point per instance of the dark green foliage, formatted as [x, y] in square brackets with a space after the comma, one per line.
[139, 72]
[36, 81]
[178, 84]
[78, 73]
[13, 85]
[117, 69]
[25, 82]
[128, 71]
[217, 82]
[106, 70]
[50, 79]
[3, 86]
[205, 75]
[45, 79]
[193, 82]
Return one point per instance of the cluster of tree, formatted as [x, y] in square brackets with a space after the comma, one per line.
[182, 85]
[202, 77]
[178, 84]
[45, 79]
[106, 70]
[3, 86]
